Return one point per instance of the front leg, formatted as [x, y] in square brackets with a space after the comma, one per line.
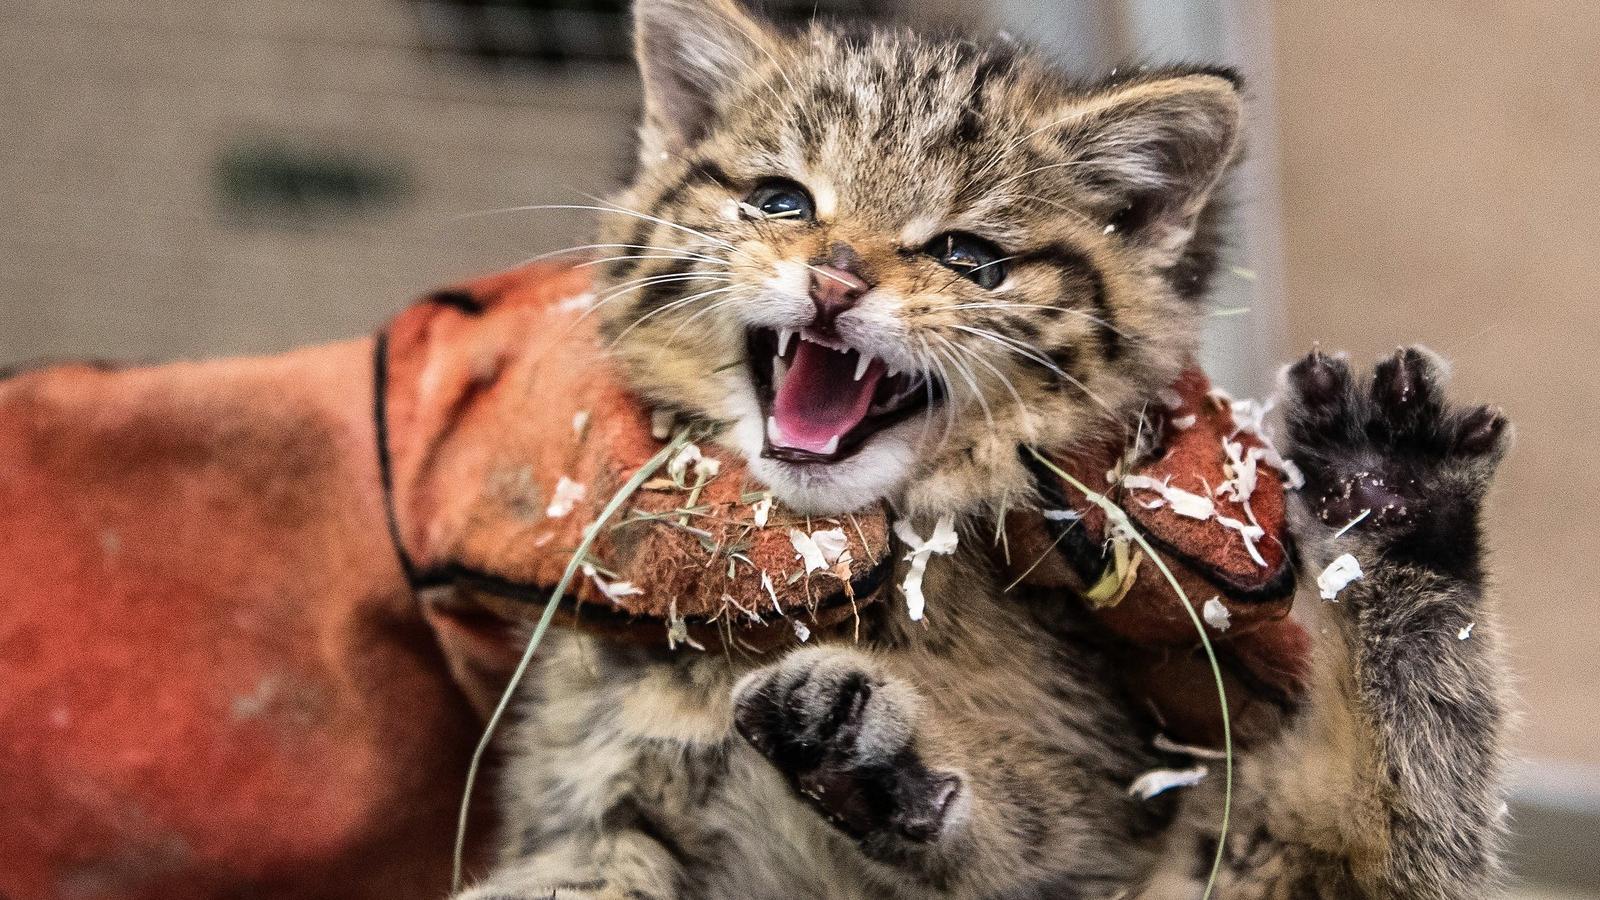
[1390, 785]
[841, 730]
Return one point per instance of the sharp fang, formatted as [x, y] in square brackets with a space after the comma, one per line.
[780, 371]
[773, 436]
[861, 367]
[784, 335]
[831, 447]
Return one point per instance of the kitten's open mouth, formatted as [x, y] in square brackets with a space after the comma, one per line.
[823, 399]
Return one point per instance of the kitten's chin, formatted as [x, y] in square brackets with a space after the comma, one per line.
[877, 471]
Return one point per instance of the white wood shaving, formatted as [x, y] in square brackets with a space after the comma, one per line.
[766, 585]
[761, 510]
[800, 630]
[1159, 781]
[807, 551]
[1249, 533]
[580, 421]
[1184, 423]
[1249, 416]
[1337, 575]
[1466, 631]
[833, 544]
[613, 590]
[1242, 471]
[1184, 503]
[567, 495]
[1062, 515]
[690, 457]
[1291, 472]
[942, 541]
[1215, 614]
[678, 629]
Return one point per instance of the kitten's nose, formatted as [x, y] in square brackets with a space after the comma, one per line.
[834, 290]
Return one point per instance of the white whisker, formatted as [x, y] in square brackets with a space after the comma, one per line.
[680, 302]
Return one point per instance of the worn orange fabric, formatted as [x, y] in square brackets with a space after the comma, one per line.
[255, 607]
[214, 681]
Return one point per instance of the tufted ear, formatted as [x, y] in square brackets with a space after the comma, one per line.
[690, 53]
[1149, 152]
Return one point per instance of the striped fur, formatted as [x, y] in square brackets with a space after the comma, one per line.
[983, 753]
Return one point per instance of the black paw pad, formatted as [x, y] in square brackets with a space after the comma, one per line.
[1369, 496]
[842, 737]
[1388, 451]
[1320, 380]
[1482, 432]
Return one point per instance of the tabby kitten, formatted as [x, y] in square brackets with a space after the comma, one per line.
[878, 265]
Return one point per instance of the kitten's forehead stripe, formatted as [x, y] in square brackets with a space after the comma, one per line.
[1078, 272]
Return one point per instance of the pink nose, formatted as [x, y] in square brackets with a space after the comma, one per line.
[834, 290]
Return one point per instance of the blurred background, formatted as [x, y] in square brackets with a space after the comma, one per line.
[180, 178]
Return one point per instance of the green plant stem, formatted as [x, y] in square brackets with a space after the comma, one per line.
[589, 533]
[1116, 513]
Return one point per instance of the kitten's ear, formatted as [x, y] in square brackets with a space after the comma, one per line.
[1151, 152]
[690, 52]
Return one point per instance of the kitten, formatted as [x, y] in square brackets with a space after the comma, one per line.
[879, 265]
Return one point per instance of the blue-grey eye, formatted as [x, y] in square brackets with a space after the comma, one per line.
[780, 198]
[973, 258]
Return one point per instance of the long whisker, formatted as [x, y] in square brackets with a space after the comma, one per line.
[616, 210]
[1004, 379]
[671, 338]
[680, 302]
[972, 383]
[935, 364]
[1033, 354]
[652, 281]
[638, 256]
[564, 251]
[927, 385]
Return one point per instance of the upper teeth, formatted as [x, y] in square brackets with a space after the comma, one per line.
[861, 367]
[784, 334]
[831, 447]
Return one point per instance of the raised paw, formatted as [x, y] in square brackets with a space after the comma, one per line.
[1390, 458]
[842, 733]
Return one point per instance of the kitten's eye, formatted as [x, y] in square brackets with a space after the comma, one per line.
[976, 259]
[781, 199]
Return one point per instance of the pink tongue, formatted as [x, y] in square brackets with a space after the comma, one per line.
[820, 397]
